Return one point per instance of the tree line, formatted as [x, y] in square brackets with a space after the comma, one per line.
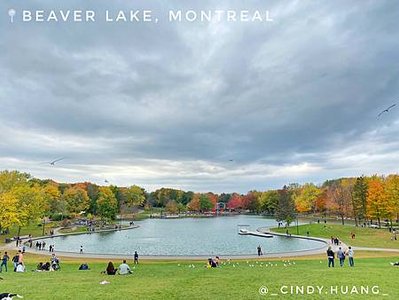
[24, 199]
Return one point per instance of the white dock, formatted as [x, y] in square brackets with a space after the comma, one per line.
[254, 233]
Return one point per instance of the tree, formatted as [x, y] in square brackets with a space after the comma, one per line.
[305, 200]
[235, 202]
[77, 199]
[377, 204]
[269, 201]
[51, 195]
[194, 204]
[107, 205]
[171, 207]
[339, 199]
[205, 203]
[392, 192]
[31, 203]
[135, 196]
[8, 211]
[250, 201]
[359, 199]
[285, 210]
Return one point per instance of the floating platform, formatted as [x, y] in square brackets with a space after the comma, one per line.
[254, 233]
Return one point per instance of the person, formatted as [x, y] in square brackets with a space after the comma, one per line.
[136, 258]
[211, 263]
[20, 258]
[46, 266]
[110, 269]
[124, 268]
[15, 261]
[81, 249]
[350, 253]
[84, 267]
[341, 256]
[396, 264]
[330, 255]
[4, 262]
[217, 261]
[55, 262]
[259, 251]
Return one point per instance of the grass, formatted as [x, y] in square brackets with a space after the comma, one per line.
[35, 229]
[365, 237]
[176, 280]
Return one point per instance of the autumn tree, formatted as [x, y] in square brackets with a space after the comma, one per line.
[107, 206]
[76, 199]
[305, 199]
[194, 204]
[171, 207]
[269, 201]
[392, 192]
[377, 204]
[235, 202]
[9, 214]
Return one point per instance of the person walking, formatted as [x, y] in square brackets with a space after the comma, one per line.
[136, 258]
[259, 251]
[4, 262]
[341, 256]
[350, 254]
[330, 256]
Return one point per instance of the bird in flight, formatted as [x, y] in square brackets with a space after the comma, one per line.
[56, 160]
[106, 181]
[386, 110]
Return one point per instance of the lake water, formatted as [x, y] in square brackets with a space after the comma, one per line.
[187, 236]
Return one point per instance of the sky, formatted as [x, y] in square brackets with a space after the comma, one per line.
[204, 106]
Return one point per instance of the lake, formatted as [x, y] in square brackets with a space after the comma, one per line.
[186, 236]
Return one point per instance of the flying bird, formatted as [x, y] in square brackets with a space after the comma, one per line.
[56, 160]
[386, 110]
[106, 181]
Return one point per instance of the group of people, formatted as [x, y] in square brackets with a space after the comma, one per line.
[52, 265]
[213, 263]
[335, 241]
[17, 260]
[123, 269]
[341, 255]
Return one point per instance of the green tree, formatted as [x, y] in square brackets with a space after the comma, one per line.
[107, 206]
[269, 201]
[205, 203]
[359, 199]
[285, 210]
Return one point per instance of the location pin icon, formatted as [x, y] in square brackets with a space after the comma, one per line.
[11, 13]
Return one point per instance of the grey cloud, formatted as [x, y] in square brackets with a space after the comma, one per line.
[301, 91]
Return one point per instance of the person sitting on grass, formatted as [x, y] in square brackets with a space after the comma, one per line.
[110, 270]
[84, 267]
[395, 264]
[124, 268]
[211, 263]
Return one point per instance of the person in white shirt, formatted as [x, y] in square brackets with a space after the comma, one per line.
[350, 254]
[124, 269]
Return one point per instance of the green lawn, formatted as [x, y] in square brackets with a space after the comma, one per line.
[33, 229]
[176, 280]
[365, 237]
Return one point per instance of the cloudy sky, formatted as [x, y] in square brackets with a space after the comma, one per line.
[212, 106]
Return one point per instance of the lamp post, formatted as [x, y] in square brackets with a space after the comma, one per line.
[297, 227]
[44, 224]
